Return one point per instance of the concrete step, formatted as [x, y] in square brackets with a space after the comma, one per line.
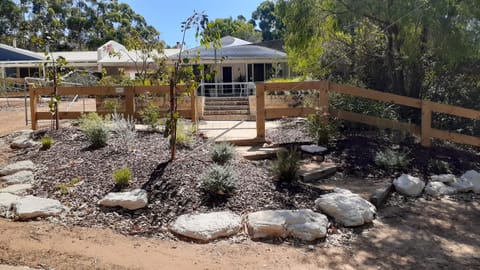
[313, 171]
[226, 99]
[258, 152]
[225, 107]
[226, 103]
[225, 112]
[230, 117]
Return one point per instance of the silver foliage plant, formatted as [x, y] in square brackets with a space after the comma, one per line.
[124, 128]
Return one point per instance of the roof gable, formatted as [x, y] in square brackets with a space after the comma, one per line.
[9, 53]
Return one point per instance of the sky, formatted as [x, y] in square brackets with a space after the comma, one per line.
[167, 15]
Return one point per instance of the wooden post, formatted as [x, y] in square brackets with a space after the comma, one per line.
[129, 102]
[260, 95]
[193, 107]
[324, 101]
[426, 124]
[33, 106]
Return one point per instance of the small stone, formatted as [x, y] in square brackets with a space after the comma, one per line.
[17, 189]
[444, 178]
[131, 200]
[31, 207]
[313, 149]
[437, 189]
[207, 226]
[409, 185]
[21, 177]
[380, 195]
[346, 208]
[25, 165]
[303, 224]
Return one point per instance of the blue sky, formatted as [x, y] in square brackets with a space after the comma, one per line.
[166, 16]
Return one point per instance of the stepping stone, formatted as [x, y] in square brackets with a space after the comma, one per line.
[21, 177]
[6, 201]
[303, 224]
[17, 189]
[22, 143]
[315, 171]
[346, 208]
[25, 165]
[131, 200]
[257, 152]
[409, 185]
[313, 149]
[32, 207]
[208, 226]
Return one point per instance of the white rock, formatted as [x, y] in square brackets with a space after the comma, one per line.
[131, 200]
[25, 165]
[17, 189]
[437, 189]
[473, 177]
[444, 178]
[313, 149]
[23, 142]
[409, 185]
[31, 207]
[346, 208]
[462, 184]
[208, 226]
[6, 201]
[303, 224]
[21, 177]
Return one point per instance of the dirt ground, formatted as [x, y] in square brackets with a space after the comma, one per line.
[418, 234]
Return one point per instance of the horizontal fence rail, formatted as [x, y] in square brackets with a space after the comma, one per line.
[322, 89]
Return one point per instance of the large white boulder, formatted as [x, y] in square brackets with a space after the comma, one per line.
[23, 142]
[131, 200]
[6, 201]
[303, 224]
[17, 189]
[31, 207]
[437, 189]
[207, 226]
[346, 208]
[473, 177]
[26, 165]
[21, 177]
[409, 185]
[444, 178]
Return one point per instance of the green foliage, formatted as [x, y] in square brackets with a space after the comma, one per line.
[438, 166]
[321, 128]
[222, 152]
[218, 181]
[391, 160]
[286, 166]
[95, 129]
[46, 142]
[239, 28]
[122, 177]
[150, 112]
[64, 188]
[184, 133]
[269, 23]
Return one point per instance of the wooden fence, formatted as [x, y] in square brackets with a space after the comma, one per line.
[425, 131]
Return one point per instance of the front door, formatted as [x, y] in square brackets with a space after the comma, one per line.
[227, 78]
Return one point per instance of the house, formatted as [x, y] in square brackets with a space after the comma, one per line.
[237, 61]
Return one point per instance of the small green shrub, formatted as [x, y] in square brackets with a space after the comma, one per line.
[150, 112]
[46, 142]
[95, 129]
[439, 166]
[122, 177]
[184, 134]
[64, 188]
[391, 160]
[218, 181]
[320, 129]
[222, 152]
[285, 167]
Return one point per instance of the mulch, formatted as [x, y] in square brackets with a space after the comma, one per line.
[173, 187]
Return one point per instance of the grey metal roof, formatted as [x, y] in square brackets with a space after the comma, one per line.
[236, 52]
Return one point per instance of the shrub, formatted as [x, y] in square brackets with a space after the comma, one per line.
[285, 167]
[64, 188]
[222, 152]
[321, 130]
[95, 129]
[439, 166]
[218, 181]
[122, 177]
[184, 134]
[390, 159]
[125, 130]
[46, 142]
[150, 112]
